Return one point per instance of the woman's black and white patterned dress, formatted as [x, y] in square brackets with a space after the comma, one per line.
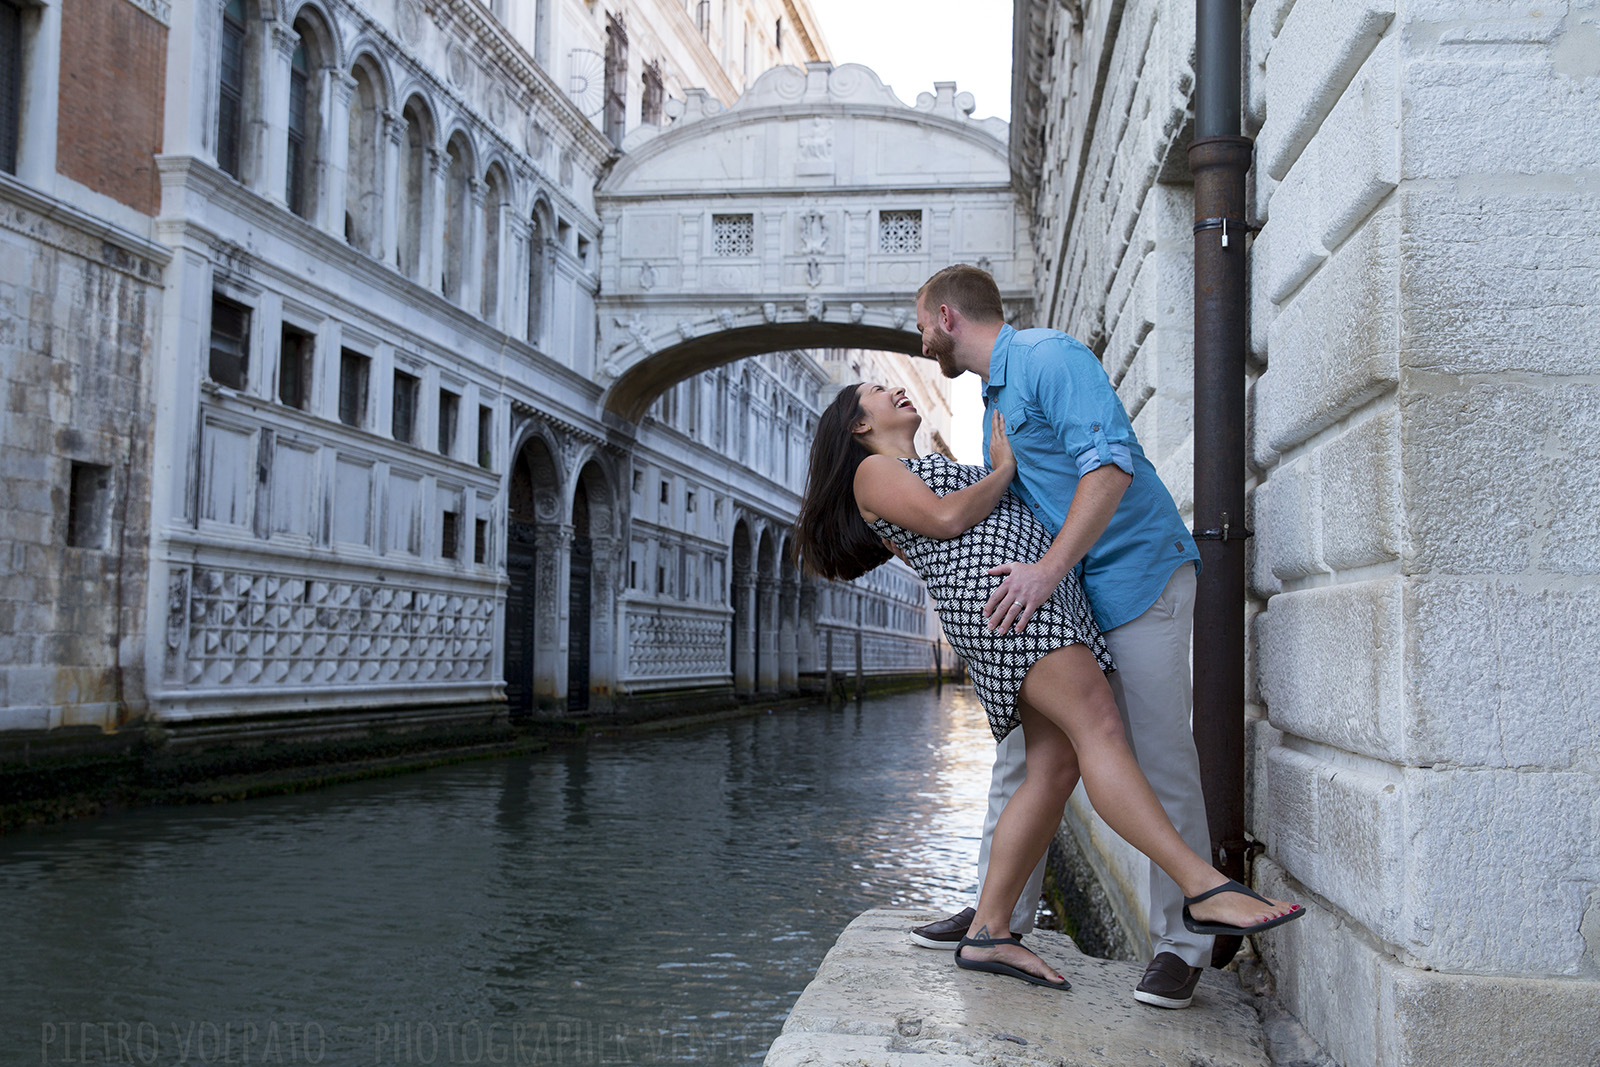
[955, 571]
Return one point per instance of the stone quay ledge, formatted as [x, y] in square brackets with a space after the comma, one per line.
[879, 1000]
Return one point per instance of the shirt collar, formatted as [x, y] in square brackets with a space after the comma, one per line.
[997, 361]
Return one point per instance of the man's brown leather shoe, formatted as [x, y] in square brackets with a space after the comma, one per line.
[947, 933]
[1168, 982]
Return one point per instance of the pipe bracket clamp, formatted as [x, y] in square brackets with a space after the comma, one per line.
[1223, 223]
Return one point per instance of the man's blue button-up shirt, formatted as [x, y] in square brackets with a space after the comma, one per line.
[1065, 420]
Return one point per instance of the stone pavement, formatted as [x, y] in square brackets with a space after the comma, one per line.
[880, 1001]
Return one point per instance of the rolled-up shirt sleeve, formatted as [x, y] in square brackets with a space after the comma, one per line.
[1072, 390]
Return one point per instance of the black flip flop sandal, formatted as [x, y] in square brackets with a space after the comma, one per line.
[1002, 968]
[1198, 926]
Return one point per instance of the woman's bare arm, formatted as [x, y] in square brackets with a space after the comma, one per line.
[886, 489]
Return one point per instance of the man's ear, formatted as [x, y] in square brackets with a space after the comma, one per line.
[947, 318]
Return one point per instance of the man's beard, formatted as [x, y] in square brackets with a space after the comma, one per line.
[943, 348]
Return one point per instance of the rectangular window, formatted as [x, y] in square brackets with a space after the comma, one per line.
[900, 231]
[688, 501]
[88, 505]
[10, 83]
[666, 490]
[404, 424]
[230, 342]
[480, 540]
[353, 371]
[449, 410]
[230, 88]
[449, 535]
[733, 235]
[485, 437]
[294, 368]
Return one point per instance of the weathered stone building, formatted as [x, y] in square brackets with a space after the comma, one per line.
[1422, 710]
[306, 420]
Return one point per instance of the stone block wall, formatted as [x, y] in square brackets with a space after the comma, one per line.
[1423, 301]
[79, 304]
[1422, 709]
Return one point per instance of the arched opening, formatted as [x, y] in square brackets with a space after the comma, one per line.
[413, 187]
[363, 196]
[741, 657]
[496, 195]
[530, 635]
[766, 616]
[304, 160]
[579, 603]
[538, 259]
[238, 75]
[457, 217]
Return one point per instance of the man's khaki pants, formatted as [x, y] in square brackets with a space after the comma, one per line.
[1152, 687]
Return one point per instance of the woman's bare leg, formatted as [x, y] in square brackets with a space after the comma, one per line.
[1021, 836]
[1068, 689]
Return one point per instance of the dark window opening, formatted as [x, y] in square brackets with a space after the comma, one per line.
[448, 546]
[651, 104]
[777, 35]
[353, 372]
[404, 424]
[294, 369]
[666, 489]
[449, 409]
[230, 343]
[480, 540]
[230, 88]
[616, 79]
[88, 502]
[10, 84]
[299, 91]
[485, 437]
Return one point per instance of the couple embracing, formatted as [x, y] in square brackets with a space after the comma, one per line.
[1065, 577]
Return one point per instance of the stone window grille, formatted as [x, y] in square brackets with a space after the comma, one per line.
[449, 413]
[733, 235]
[480, 540]
[354, 369]
[900, 231]
[230, 87]
[404, 423]
[230, 343]
[294, 368]
[88, 502]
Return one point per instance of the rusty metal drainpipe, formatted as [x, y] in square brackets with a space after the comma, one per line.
[1219, 159]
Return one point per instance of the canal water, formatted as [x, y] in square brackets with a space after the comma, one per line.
[654, 900]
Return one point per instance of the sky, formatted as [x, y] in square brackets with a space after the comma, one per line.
[911, 44]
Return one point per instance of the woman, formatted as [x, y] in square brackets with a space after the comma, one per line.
[868, 493]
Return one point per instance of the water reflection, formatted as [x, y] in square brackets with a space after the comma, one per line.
[628, 901]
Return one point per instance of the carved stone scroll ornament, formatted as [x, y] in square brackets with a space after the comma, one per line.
[813, 233]
[813, 272]
[647, 277]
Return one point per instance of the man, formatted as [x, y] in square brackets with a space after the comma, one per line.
[1082, 473]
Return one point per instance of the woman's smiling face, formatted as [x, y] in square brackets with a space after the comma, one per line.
[886, 408]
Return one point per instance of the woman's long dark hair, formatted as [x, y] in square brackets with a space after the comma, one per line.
[831, 538]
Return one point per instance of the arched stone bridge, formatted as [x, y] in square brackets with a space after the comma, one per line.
[804, 216]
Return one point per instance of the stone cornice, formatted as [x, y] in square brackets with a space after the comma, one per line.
[520, 68]
[62, 213]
